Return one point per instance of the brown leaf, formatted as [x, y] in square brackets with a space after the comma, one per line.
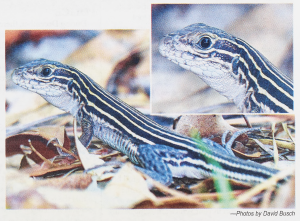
[169, 203]
[207, 186]
[75, 181]
[204, 186]
[13, 146]
[246, 156]
[50, 171]
[24, 162]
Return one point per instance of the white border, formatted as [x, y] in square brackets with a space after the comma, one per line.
[102, 14]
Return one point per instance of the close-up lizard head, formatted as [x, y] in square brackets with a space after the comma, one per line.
[202, 49]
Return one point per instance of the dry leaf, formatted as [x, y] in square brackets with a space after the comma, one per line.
[74, 181]
[53, 132]
[74, 199]
[88, 160]
[280, 143]
[211, 126]
[261, 119]
[247, 156]
[128, 187]
[13, 146]
[52, 171]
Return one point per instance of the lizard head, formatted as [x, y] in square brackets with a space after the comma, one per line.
[50, 79]
[41, 76]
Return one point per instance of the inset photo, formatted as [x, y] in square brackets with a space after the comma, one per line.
[222, 58]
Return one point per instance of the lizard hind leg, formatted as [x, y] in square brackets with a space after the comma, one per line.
[153, 165]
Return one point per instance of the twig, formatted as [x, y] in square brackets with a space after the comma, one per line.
[267, 198]
[65, 150]
[262, 186]
[285, 128]
[247, 121]
[275, 149]
[40, 155]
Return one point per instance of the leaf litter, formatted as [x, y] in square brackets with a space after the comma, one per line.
[48, 176]
[123, 188]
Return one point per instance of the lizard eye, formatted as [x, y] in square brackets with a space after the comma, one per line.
[46, 72]
[204, 42]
